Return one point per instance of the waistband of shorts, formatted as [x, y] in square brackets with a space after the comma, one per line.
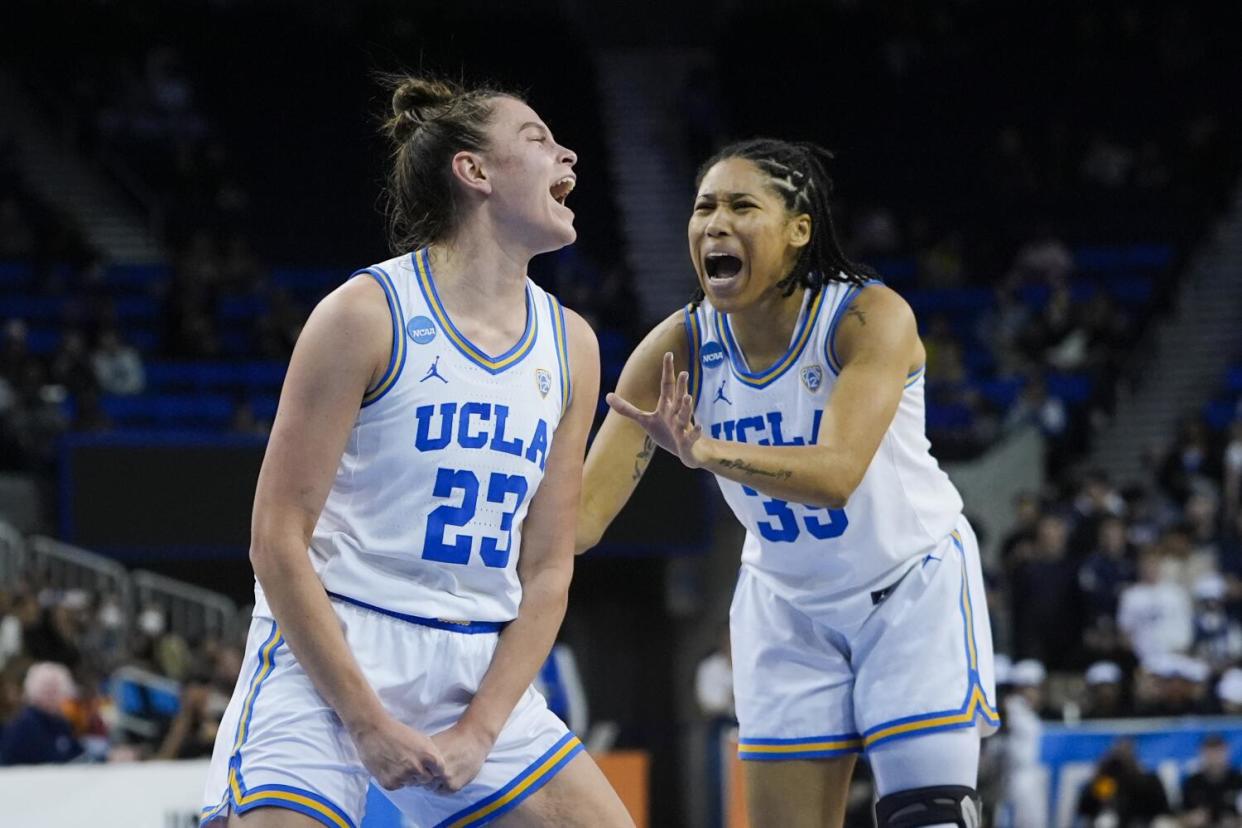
[451, 625]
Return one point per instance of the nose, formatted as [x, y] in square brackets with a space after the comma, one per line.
[717, 225]
[568, 156]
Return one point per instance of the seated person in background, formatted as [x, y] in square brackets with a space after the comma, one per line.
[1121, 791]
[40, 733]
[1210, 796]
[1105, 692]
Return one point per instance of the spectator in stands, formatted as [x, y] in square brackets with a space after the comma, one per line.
[40, 734]
[1044, 591]
[1122, 792]
[1172, 685]
[1210, 796]
[20, 615]
[71, 364]
[1229, 692]
[118, 367]
[1105, 697]
[1203, 524]
[1035, 406]
[713, 681]
[1105, 572]
[1155, 614]
[1218, 637]
[1022, 697]
[1189, 463]
[1231, 461]
[192, 734]
[54, 636]
[1017, 545]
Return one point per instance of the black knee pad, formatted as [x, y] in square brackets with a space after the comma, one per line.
[937, 805]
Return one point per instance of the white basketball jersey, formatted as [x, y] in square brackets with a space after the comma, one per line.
[425, 514]
[904, 506]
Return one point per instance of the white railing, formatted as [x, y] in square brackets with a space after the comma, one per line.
[12, 555]
[62, 566]
[191, 612]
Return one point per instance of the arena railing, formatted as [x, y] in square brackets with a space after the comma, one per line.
[12, 555]
[62, 566]
[190, 611]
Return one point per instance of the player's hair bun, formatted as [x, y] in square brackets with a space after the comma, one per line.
[415, 101]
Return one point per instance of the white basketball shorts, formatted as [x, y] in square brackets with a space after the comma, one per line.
[281, 745]
[918, 660]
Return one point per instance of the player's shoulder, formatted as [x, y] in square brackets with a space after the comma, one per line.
[880, 299]
[359, 304]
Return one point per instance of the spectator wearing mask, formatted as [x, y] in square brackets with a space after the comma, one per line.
[1155, 614]
[41, 734]
[1210, 796]
[118, 368]
[1229, 692]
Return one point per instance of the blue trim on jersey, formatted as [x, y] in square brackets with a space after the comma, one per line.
[975, 705]
[809, 747]
[396, 361]
[694, 343]
[467, 627]
[777, 369]
[491, 364]
[535, 776]
[557, 313]
[914, 376]
[830, 349]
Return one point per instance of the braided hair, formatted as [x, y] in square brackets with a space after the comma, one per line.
[798, 171]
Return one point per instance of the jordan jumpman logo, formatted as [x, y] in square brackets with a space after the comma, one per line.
[433, 371]
[720, 395]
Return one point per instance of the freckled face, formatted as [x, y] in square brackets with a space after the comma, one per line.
[531, 175]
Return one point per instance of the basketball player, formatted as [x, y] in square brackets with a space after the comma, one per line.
[413, 525]
[858, 622]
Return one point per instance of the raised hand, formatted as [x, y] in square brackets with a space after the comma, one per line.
[671, 424]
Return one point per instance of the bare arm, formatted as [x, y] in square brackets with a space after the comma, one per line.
[342, 350]
[621, 450]
[878, 344]
[545, 567]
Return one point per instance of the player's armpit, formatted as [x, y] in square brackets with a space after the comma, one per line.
[622, 450]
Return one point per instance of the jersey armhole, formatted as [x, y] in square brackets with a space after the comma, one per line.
[694, 344]
[396, 359]
[557, 312]
[830, 347]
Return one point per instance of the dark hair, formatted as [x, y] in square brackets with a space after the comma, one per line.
[431, 121]
[798, 171]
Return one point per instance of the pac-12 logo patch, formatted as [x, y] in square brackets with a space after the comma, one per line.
[544, 380]
[421, 329]
[712, 355]
[813, 377]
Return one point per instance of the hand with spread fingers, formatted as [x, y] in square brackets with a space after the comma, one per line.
[671, 424]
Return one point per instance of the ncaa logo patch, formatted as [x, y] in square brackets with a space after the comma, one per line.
[712, 355]
[813, 377]
[421, 329]
[544, 380]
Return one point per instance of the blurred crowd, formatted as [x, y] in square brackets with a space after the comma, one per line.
[78, 684]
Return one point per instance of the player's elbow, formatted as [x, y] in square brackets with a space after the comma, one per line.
[835, 490]
[586, 538]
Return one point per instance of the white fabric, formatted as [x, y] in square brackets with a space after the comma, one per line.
[797, 678]
[1158, 618]
[399, 488]
[292, 738]
[904, 506]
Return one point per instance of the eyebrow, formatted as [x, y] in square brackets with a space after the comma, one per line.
[534, 124]
[725, 196]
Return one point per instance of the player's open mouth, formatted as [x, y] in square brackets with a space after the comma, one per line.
[721, 267]
[561, 189]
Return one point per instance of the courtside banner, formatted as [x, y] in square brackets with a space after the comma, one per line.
[1169, 747]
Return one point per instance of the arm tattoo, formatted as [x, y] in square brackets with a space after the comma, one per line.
[743, 466]
[643, 457]
[862, 317]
